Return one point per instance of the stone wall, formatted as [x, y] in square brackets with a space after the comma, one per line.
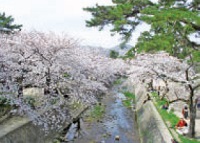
[151, 126]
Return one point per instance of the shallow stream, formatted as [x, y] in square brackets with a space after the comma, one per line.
[116, 126]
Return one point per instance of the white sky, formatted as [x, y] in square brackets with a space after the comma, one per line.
[60, 16]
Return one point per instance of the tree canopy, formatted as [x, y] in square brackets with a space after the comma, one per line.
[59, 68]
[6, 24]
[171, 24]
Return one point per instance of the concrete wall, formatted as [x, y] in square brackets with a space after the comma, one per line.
[151, 126]
[22, 130]
[27, 133]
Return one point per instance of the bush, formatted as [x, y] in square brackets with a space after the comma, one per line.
[5, 105]
[4, 101]
[30, 100]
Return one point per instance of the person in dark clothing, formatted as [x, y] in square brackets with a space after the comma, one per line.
[165, 106]
[185, 112]
[198, 103]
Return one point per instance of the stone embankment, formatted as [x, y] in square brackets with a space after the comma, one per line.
[151, 126]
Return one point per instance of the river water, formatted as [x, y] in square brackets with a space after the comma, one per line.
[117, 125]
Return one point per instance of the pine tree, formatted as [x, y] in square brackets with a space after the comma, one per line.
[6, 24]
[171, 23]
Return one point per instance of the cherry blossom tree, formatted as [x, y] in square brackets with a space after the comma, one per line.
[60, 66]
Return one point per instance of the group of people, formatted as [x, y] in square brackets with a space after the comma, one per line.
[182, 126]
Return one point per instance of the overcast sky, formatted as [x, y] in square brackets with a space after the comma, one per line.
[62, 16]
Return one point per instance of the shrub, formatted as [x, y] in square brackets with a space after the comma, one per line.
[30, 100]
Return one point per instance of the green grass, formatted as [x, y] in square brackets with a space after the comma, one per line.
[170, 117]
[167, 116]
[96, 113]
[127, 103]
[118, 81]
[129, 95]
[66, 75]
[187, 140]
[130, 99]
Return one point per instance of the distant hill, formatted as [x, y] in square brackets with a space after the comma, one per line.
[100, 50]
[106, 52]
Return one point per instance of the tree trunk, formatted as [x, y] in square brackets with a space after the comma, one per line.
[20, 91]
[48, 82]
[20, 87]
[192, 115]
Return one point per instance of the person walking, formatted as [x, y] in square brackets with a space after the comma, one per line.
[185, 112]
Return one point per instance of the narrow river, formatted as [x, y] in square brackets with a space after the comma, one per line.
[117, 125]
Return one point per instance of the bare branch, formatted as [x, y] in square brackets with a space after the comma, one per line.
[179, 99]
